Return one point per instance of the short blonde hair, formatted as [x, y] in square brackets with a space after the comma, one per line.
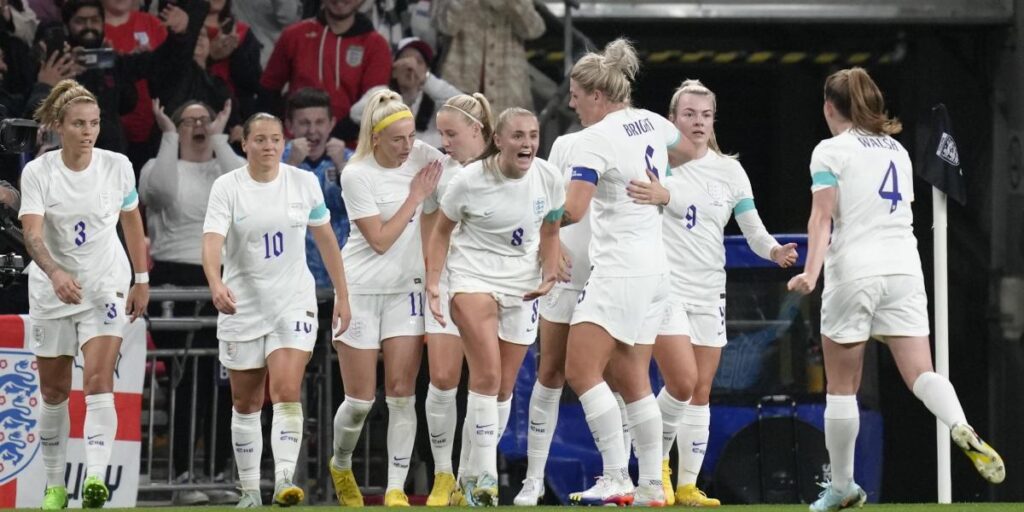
[612, 71]
[382, 104]
[67, 92]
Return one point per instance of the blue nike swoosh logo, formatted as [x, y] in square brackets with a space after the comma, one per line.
[439, 435]
[400, 459]
[95, 436]
[695, 443]
[283, 432]
[41, 438]
[485, 426]
[243, 444]
[536, 422]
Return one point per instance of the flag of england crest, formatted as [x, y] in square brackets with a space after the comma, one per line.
[22, 474]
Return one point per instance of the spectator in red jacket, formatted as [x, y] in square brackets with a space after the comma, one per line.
[337, 51]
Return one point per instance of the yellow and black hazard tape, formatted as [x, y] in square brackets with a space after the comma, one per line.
[740, 57]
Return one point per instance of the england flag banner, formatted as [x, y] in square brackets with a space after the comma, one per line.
[22, 475]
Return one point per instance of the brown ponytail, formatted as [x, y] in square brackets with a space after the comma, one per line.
[856, 97]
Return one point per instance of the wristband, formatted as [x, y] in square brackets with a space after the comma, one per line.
[142, 278]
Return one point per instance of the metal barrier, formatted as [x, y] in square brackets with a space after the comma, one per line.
[167, 369]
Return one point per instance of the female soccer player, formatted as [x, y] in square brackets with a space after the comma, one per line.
[505, 255]
[258, 216]
[701, 197]
[623, 303]
[386, 185]
[79, 298]
[862, 186]
[465, 124]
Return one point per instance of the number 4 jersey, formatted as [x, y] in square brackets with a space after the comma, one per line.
[872, 224]
[264, 225]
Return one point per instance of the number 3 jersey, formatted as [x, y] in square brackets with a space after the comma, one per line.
[496, 248]
[872, 224]
[80, 212]
[264, 226]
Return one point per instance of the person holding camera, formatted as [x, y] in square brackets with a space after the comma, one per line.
[110, 77]
[79, 294]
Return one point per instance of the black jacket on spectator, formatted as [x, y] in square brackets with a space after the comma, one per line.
[115, 87]
[245, 77]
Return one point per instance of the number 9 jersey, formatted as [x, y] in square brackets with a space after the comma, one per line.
[872, 232]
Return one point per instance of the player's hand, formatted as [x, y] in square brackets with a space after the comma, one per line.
[342, 316]
[564, 266]
[425, 181]
[223, 299]
[434, 301]
[138, 300]
[546, 284]
[784, 255]
[67, 288]
[300, 149]
[643, 192]
[802, 283]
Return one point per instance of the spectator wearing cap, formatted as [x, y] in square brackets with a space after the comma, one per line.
[421, 90]
[487, 53]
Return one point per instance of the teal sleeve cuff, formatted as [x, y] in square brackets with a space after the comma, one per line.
[824, 179]
[130, 199]
[555, 215]
[319, 212]
[745, 205]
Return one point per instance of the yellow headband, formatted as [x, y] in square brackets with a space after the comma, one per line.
[389, 120]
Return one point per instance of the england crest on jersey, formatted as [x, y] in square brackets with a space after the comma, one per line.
[19, 412]
[354, 55]
[538, 206]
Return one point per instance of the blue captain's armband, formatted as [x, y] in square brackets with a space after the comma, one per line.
[584, 174]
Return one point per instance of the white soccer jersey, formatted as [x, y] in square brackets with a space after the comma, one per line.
[368, 190]
[705, 194]
[575, 238]
[626, 239]
[264, 225]
[872, 225]
[80, 213]
[498, 241]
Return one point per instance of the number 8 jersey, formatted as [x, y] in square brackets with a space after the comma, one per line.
[872, 224]
[264, 226]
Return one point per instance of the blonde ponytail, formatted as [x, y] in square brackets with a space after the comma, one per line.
[612, 71]
[67, 92]
[382, 104]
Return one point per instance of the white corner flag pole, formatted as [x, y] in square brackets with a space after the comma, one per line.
[945, 484]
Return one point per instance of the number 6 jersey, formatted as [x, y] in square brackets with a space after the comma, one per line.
[264, 226]
[872, 224]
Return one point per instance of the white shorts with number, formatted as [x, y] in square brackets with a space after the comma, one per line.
[557, 306]
[294, 329]
[65, 336]
[432, 326]
[707, 324]
[631, 309]
[517, 318]
[893, 305]
[376, 318]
